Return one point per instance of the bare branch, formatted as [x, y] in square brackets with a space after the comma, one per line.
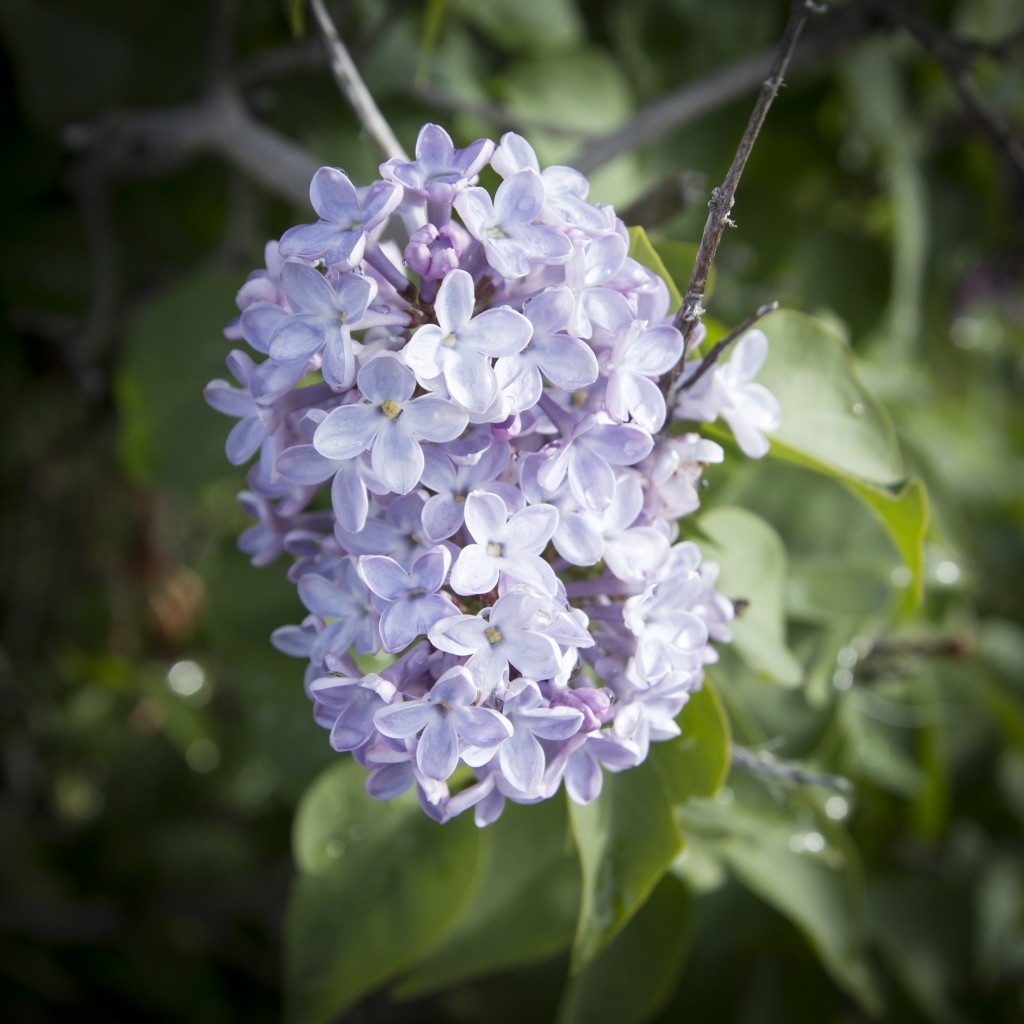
[354, 88]
[762, 763]
[956, 57]
[694, 99]
[716, 352]
[692, 309]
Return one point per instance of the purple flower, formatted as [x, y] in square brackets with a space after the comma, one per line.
[444, 718]
[506, 227]
[324, 318]
[459, 346]
[351, 703]
[507, 633]
[586, 454]
[750, 409]
[347, 604]
[440, 171]
[522, 757]
[567, 362]
[346, 215]
[639, 353]
[414, 603]
[392, 424]
[504, 545]
[451, 483]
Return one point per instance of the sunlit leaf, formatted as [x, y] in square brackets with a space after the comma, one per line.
[380, 886]
[753, 568]
[833, 425]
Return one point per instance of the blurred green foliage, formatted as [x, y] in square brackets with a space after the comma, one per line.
[155, 747]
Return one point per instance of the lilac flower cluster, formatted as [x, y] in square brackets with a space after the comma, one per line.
[473, 379]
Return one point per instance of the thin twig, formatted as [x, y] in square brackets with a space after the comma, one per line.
[354, 88]
[711, 92]
[691, 311]
[956, 57]
[720, 346]
[761, 763]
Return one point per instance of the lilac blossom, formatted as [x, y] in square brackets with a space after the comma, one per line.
[458, 347]
[391, 424]
[443, 719]
[414, 604]
[455, 401]
[502, 635]
[729, 391]
[506, 227]
[503, 544]
[522, 757]
[440, 171]
[346, 216]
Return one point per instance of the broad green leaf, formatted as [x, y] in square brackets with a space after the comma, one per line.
[526, 905]
[630, 979]
[695, 763]
[833, 425]
[753, 567]
[828, 590]
[828, 415]
[380, 886]
[802, 864]
[643, 251]
[627, 839]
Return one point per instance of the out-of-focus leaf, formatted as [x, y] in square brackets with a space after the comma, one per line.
[922, 926]
[627, 839]
[526, 25]
[174, 348]
[643, 251]
[678, 259]
[802, 864]
[69, 64]
[753, 567]
[433, 20]
[630, 979]
[525, 908]
[380, 886]
[296, 12]
[584, 90]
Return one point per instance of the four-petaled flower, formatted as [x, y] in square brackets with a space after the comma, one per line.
[391, 424]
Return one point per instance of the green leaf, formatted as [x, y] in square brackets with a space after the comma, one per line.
[296, 13]
[833, 425]
[753, 567]
[432, 23]
[828, 415]
[695, 763]
[627, 839]
[631, 979]
[525, 909]
[803, 865]
[643, 251]
[379, 888]
[173, 349]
